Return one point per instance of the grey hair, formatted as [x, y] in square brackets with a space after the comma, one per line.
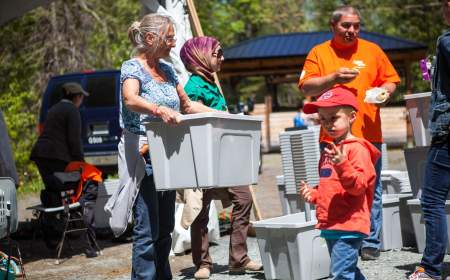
[341, 11]
[150, 23]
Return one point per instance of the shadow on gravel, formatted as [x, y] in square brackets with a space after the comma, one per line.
[34, 248]
[409, 268]
[188, 273]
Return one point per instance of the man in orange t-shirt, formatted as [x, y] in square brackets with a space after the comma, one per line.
[359, 65]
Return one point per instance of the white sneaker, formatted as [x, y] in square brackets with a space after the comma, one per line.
[202, 273]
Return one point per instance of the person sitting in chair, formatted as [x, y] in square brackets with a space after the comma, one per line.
[57, 146]
[60, 141]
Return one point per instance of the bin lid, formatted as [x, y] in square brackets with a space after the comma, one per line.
[416, 95]
[220, 116]
[416, 201]
[296, 220]
[213, 115]
[390, 198]
[405, 195]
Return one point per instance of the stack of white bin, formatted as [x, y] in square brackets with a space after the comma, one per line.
[105, 191]
[395, 181]
[300, 154]
[290, 246]
[396, 184]
[397, 230]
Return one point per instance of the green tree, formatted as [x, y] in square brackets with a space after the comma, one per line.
[67, 36]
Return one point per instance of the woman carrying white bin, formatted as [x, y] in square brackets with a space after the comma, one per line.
[149, 90]
[203, 56]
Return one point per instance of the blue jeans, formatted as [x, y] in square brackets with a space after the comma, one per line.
[154, 221]
[434, 194]
[344, 258]
[376, 213]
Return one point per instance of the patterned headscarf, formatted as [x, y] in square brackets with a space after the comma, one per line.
[196, 55]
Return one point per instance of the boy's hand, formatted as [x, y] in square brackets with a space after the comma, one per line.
[334, 154]
[306, 192]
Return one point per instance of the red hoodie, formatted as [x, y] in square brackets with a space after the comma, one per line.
[344, 195]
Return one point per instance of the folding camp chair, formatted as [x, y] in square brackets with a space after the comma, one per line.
[71, 215]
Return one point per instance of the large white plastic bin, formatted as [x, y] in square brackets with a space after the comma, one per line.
[416, 159]
[419, 223]
[417, 105]
[391, 235]
[105, 191]
[206, 150]
[291, 248]
[408, 236]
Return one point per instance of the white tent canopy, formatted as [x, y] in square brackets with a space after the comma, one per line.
[176, 10]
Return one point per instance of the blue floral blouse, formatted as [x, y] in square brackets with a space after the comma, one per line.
[159, 93]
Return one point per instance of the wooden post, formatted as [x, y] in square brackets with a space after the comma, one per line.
[195, 21]
[199, 32]
[268, 103]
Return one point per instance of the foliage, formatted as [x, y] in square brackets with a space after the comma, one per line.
[67, 36]
[233, 21]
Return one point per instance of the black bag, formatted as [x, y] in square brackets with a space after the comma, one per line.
[50, 199]
[67, 180]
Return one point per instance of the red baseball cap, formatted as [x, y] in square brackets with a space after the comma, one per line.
[337, 96]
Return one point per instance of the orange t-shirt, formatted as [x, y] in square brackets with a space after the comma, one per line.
[327, 57]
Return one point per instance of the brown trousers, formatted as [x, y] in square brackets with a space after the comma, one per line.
[242, 205]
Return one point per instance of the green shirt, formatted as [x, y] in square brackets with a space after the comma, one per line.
[209, 94]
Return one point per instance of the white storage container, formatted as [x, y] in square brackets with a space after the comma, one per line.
[419, 223]
[417, 105]
[391, 235]
[408, 236]
[300, 155]
[290, 203]
[282, 194]
[291, 248]
[206, 150]
[416, 159]
[105, 190]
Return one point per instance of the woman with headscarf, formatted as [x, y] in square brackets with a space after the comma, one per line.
[203, 56]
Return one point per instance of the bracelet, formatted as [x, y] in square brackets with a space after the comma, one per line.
[155, 111]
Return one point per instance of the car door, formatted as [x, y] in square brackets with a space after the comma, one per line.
[100, 118]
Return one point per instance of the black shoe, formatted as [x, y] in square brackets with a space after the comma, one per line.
[370, 254]
[90, 253]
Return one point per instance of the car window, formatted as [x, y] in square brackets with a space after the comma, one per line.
[102, 91]
[56, 93]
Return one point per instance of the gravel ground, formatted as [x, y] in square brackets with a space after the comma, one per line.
[395, 264]
[219, 254]
[115, 263]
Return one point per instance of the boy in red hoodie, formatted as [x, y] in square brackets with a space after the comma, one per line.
[344, 195]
